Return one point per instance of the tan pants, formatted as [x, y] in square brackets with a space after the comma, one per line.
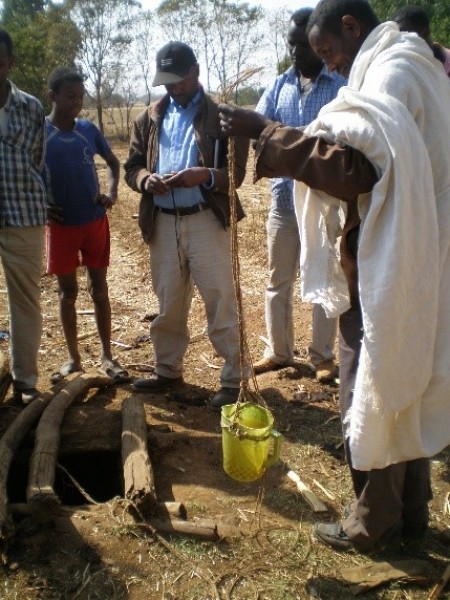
[188, 251]
[21, 255]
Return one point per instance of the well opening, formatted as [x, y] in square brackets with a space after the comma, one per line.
[99, 474]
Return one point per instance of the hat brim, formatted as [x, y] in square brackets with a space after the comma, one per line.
[164, 78]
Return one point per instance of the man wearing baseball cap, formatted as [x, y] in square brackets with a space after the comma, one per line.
[178, 162]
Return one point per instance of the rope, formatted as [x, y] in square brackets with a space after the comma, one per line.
[245, 361]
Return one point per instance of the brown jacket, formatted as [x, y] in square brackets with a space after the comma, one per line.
[340, 171]
[143, 156]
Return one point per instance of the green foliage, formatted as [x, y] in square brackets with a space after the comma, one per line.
[284, 64]
[437, 10]
[18, 12]
[248, 96]
[43, 39]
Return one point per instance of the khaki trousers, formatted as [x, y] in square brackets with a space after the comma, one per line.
[21, 251]
[188, 251]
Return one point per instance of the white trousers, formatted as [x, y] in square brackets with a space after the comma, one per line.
[21, 251]
[283, 242]
[188, 251]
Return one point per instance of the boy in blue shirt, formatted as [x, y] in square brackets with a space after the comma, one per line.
[78, 225]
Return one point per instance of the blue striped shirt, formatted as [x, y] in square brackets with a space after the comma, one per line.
[282, 102]
[22, 193]
[178, 150]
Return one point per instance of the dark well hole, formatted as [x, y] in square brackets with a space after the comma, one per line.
[97, 473]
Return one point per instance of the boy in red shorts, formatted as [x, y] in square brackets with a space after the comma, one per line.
[78, 224]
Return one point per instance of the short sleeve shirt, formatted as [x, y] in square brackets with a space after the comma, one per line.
[70, 170]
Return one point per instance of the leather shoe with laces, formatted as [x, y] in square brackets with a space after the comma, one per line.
[332, 534]
[155, 383]
[264, 365]
[224, 396]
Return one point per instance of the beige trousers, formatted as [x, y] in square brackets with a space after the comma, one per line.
[21, 251]
[188, 251]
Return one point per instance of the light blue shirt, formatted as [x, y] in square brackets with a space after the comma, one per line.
[282, 102]
[177, 151]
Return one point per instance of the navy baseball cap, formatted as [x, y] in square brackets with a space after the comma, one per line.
[173, 62]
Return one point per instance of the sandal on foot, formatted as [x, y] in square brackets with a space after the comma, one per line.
[113, 370]
[67, 369]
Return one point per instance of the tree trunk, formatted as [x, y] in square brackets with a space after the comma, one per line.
[40, 493]
[139, 481]
[8, 445]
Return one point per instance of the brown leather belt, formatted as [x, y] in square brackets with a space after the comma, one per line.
[184, 211]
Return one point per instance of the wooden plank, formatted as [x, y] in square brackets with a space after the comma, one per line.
[316, 504]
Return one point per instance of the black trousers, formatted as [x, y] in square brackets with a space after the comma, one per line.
[388, 499]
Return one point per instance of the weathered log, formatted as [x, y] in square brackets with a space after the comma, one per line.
[5, 376]
[170, 510]
[166, 510]
[40, 492]
[139, 481]
[8, 445]
[204, 529]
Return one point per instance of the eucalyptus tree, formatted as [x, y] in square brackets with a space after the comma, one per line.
[223, 33]
[106, 36]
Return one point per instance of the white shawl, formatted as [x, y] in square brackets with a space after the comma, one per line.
[401, 406]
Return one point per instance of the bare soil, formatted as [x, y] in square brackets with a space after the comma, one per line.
[100, 552]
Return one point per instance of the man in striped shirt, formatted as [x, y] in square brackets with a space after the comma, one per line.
[295, 98]
[22, 221]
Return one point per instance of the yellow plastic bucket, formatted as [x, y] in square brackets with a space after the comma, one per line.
[246, 441]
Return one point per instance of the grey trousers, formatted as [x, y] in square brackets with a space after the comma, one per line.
[283, 244]
[388, 499]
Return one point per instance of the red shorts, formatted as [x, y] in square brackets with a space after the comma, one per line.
[69, 246]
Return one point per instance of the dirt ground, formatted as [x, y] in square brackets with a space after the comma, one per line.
[98, 551]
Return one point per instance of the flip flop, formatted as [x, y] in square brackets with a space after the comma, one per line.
[113, 370]
[67, 369]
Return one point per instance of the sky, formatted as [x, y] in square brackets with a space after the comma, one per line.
[266, 4]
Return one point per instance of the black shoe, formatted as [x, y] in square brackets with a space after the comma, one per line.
[332, 534]
[415, 523]
[156, 383]
[26, 395]
[225, 396]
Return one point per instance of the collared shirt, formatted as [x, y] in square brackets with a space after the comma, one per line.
[178, 150]
[22, 192]
[290, 103]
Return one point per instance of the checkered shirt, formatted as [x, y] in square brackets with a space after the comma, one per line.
[22, 150]
[282, 102]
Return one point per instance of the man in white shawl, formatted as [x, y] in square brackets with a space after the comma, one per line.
[380, 152]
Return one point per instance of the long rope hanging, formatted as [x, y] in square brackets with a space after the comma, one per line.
[245, 394]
